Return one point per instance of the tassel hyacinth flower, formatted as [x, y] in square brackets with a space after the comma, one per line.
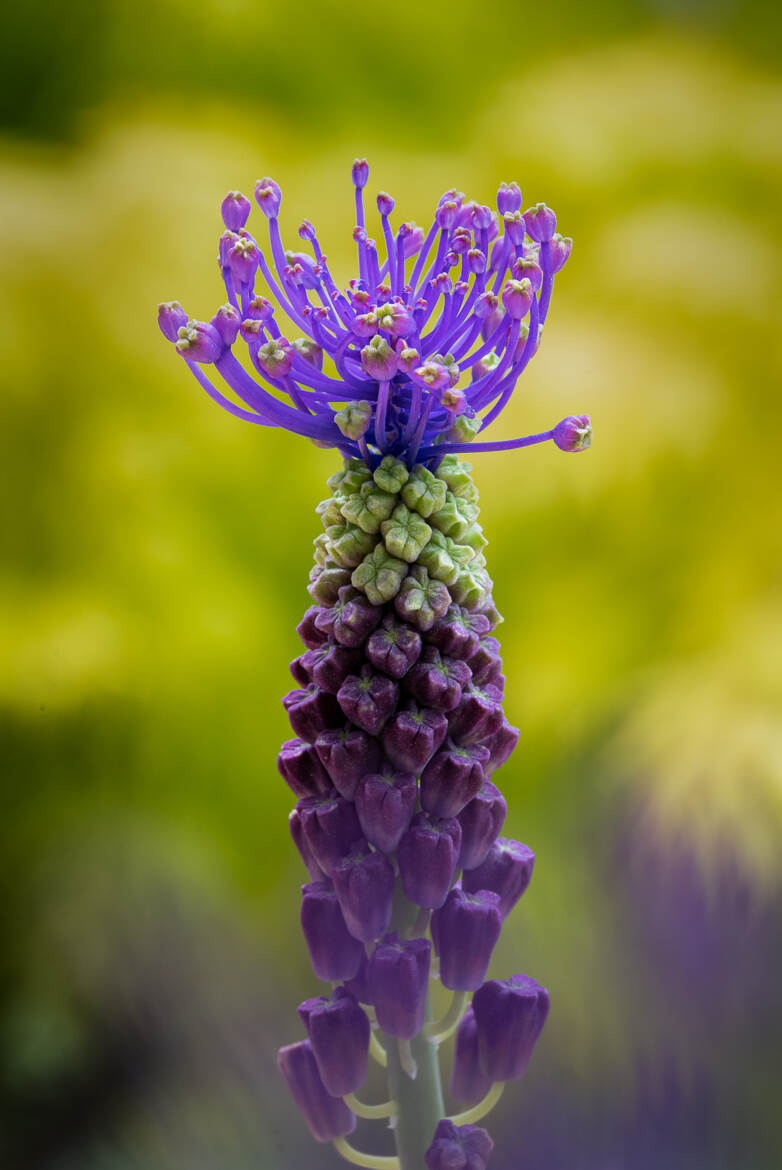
[397, 713]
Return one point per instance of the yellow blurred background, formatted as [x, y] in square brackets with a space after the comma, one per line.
[150, 958]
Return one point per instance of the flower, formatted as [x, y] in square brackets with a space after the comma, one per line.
[399, 341]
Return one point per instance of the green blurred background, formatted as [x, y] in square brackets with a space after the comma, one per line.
[150, 958]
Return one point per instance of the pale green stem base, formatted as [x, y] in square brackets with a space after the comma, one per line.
[420, 1101]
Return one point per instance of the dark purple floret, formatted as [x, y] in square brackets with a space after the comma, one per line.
[299, 671]
[452, 778]
[351, 619]
[437, 681]
[465, 931]
[394, 648]
[330, 827]
[468, 1083]
[427, 857]
[507, 870]
[334, 953]
[486, 663]
[308, 631]
[509, 1016]
[478, 715]
[481, 820]
[301, 769]
[457, 633]
[330, 664]
[500, 745]
[327, 1117]
[338, 1031]
[347, 753]
[364, 883]
[302, 844]
[310, 711]
[385, 803]
[413, 736]
[459, 1147]
[398, 975]
[368, 699]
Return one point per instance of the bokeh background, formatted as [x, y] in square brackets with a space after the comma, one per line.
[155, 554]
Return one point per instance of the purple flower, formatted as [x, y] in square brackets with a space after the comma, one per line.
[574, 433]
[465, 931]
[398, 974]
[327, 1117]
[506, 870]
[171, 317]
[235, 210]
[334, 953]
[509, 1017]
[364, 883]
[385, 803]
[459, 1147]
[368, 699]
[541, 223]
[468, 1083]
[393, 648]
[427, 857]
[452, 778]
[338, 1031]
[481, 821]
[346, 753]
[330, 827]
[413, 736]
[302, 769]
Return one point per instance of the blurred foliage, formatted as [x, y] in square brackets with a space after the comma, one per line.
[150, 960]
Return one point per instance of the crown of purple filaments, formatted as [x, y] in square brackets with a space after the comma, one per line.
[470, 295]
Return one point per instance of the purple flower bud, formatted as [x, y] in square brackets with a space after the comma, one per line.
[243, 259]
[560, 248]
[528, 269]
[338, 1031]
[506, 870]
[517, 297]
[486, 305]
[300, 672]
[452, 778]
[259, 309]
[394, 648]
[501, 745]
[276, 357]
[413, 736]
[413, 237]
[330, 827]
[235, 210]
[385, 803]
[459, 1147]
[364, 883]
[481, 820]
[574, 433]
[302, 844]
[327, 1117]
[515, 228]
[347, 753]
[465, 931]
[395, 318]
[427, 858]
[330, 664]
[476, 261]
[368, 699]
[408, 357]
[268, 196]
[451, 194]
[385, 203]
[307, 629]
[310, 711]
[350, 619]
[334, 953]
[433, 375]
[541, 223]
[447, 213]
[302, 770]
[378, 359]
[508, 198]
[478, 715]
[486, 661]
[171, 317]
[360, 172]
[468, 1083]
[226, 321]
[457, 632]
[226, 242]
[365, 324]
[398, 975]
[437, 681]
[509, 1016]
[199, 342]
[461, 241]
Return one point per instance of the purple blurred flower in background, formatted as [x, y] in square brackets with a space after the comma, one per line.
[398, 709]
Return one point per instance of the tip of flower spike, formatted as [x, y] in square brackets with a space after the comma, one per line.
[268, 196]
[573, 433]
[235, 210]
[508, 198]
[360, 172]
[385, 203]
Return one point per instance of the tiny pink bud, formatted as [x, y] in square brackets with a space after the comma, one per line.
[360, 172]
[385, 203]
[574, 433]
[170, 317]
[275, 357]
[541, 222]
[529, 269]
[559, 250]
[517, 297]
[235, 210]
[508, 198]
[199, 342]
[226, 321]
[268, 196]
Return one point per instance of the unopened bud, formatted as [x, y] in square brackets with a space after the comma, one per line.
[354, 419]
[574, 433]
[226, 321]
[268, 196]
[508, 198]
[171, 317]
[199, 342]
[517, 297]
[235, 210]
[360, 172]
[378, 359]
[541, 222]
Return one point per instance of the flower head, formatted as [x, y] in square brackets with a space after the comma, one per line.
[476, 288]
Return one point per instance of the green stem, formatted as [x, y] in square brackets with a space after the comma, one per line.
[371, 1112]
[440, 1030]
[420, 1101]
[377, 1050]
[482, 1108]
[370, 1161]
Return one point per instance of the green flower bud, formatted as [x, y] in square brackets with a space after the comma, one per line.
[329, 512]
[423, 492]
[444, 559]
[348, 544]
[421, 600]
[368, 507]
[474, 538]
[345, 483]
[405, 534]
[379, 575]
[391, 474]
[464, 429]
[455, 516]
[354, 419]
[457, 476]
[472, 586]
[324, 589]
